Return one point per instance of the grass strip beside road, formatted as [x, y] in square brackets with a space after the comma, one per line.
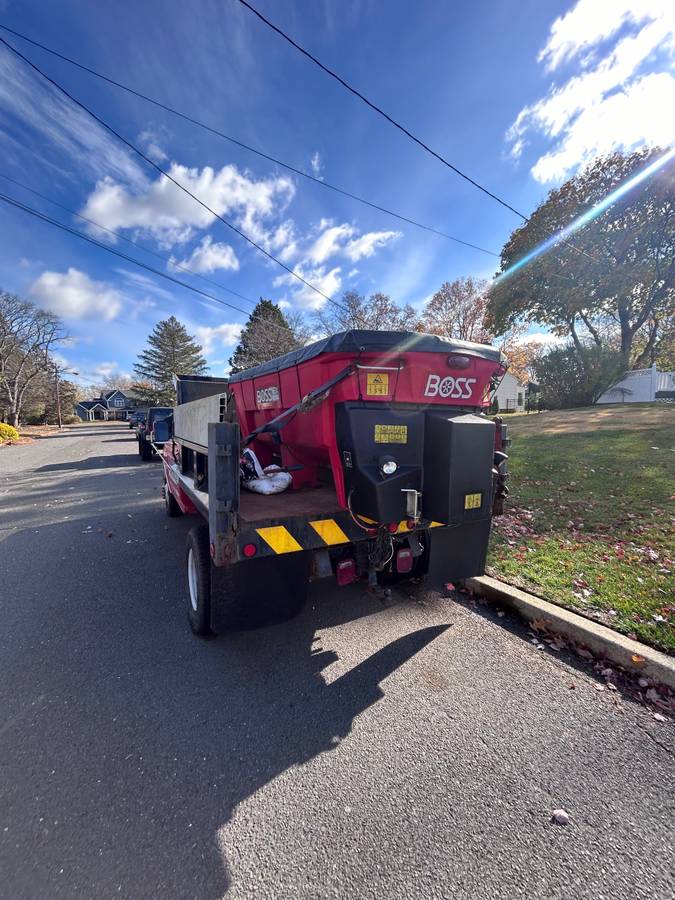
[589, 523]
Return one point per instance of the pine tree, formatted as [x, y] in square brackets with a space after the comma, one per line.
[267, 334]
[171, 351]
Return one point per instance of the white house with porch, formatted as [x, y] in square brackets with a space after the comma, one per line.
[111, 405]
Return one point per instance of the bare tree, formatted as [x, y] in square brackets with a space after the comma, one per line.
[27, 334]
[457, 311]
[377, 313]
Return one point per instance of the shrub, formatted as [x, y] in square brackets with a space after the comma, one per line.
[8, 433]
[70, 420]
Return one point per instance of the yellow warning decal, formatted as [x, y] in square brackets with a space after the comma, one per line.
[279, 539]
[391, 434]
[377, 384]
[329, 531]
[473, 501]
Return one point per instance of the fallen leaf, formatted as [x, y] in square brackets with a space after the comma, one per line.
[638, 660]
[659, 717]
[584, 653]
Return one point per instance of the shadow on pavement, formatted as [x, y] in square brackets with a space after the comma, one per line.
[108, 461]
[127, 742]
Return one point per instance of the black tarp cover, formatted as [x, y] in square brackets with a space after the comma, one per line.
[371, 342]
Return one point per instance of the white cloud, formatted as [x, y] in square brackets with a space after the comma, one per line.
[140, 282]
[151, 141]
[170, 215]
[589, 22]
[74, 295]
[208, 257]
[335, 240]
[613, 101]
[366, 245]
[48, 120]
[225, 335]
[317, 165]
[330, 242]
[328, 281]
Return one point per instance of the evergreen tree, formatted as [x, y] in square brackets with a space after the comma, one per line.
[266, 334]
[171, 351]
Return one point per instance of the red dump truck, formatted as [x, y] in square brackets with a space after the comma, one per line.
[367, 455]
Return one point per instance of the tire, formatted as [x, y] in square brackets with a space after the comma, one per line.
[198, 568]
[170, 503]
[146, 451]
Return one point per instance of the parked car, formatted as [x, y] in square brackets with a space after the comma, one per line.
[136, 418]
[145, 430]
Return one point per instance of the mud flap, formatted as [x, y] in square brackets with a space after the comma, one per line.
[257, 592]
[458, 552]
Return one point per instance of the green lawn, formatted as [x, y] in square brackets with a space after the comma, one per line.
[589, 522]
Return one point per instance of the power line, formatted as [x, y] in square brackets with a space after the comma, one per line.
[117, 234]
[163, 172]
[238, 143]
[137, 262]
[397, 124]
[379, 110]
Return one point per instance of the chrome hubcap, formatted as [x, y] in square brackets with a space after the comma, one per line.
[192, 579]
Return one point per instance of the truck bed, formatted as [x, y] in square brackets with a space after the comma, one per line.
[321, 501]
[310, 502]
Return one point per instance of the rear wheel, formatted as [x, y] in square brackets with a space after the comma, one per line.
[170, 503]
[146, 450]
[198, 568]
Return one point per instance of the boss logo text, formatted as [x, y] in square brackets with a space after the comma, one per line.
[449, 387]
[267, 395]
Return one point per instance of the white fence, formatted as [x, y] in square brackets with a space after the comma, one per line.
[641, 386]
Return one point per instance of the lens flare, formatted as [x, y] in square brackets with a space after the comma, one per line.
[590, 214]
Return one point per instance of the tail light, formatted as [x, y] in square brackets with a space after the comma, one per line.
[404, 560]
[345, 572]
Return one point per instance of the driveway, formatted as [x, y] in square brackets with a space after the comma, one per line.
[409, 750]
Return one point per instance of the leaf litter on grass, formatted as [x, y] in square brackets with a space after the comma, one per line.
[588, 525]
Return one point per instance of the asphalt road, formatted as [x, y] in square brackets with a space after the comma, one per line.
[408, 750]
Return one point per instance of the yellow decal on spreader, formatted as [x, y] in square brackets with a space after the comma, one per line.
[473, 501]
[391, 434]
[377, 384]
[279, 539]
[329, 531]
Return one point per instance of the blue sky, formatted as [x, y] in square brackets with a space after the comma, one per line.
[518, 94]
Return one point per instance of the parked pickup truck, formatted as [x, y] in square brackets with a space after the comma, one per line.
[147, 445]
[367, 456]
[136, 418]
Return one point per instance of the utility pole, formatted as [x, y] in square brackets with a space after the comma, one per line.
[58, 396]
[58, 369]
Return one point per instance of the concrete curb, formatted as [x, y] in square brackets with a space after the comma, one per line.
[598, 638]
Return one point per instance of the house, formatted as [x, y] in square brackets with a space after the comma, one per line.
[111, 405]
[512, 395]
[641, 386]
